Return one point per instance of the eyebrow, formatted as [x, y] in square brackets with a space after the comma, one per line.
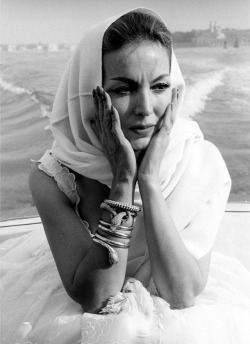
[131, 81]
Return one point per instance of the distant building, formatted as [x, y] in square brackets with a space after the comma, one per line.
[39, 47]
[242, 36]
[12, 47]
[213, 36]
[53, 47]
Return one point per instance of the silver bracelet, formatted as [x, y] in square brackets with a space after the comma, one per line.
[124, 206]
[113, 255]
[116, 234]
[122, 228]
[112, 242]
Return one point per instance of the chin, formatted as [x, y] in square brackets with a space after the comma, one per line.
[140, 144]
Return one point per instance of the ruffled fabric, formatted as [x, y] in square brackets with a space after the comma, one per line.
[36, 309]
[65, 180]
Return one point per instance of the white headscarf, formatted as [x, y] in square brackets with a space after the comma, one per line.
[76, 145]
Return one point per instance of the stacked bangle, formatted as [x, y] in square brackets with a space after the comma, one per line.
[122, 228]
[116, 234]
[112, 242]
[123, 206]
[119, 213]
[113, 255]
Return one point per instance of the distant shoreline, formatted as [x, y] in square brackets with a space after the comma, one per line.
[213, 37]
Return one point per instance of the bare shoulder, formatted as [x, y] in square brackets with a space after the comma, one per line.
[44, 187]
[50, 200]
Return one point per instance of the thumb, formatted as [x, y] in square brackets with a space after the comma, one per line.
[168, 120]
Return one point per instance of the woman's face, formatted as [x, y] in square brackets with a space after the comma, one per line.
[138, 82]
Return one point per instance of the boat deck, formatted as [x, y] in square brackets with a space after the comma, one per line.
[233, 238]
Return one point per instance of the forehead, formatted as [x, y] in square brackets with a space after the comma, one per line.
[147, 58]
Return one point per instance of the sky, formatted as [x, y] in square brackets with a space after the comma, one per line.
[64, 21]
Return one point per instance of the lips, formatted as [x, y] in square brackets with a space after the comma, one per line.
[142, 129]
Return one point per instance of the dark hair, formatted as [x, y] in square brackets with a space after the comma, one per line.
[133, 28]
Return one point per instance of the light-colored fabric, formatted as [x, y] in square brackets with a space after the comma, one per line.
[65, 180]
[35, 308]
[189, 185]
[195, 184]
[75, 143]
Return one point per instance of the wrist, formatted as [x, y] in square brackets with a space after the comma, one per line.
[148, 180]
[122, 191]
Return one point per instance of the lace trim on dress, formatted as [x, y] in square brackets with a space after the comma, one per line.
[65, 179]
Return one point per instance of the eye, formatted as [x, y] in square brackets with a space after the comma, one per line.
[160, 87]
[123, 90]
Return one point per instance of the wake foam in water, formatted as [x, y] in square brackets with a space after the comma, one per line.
[198, 92]
[7, 86]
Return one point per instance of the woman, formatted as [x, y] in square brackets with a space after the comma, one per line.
[131, 199]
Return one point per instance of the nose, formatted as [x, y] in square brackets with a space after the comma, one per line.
[143, 103]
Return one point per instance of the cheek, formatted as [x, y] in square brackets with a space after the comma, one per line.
[122, 106]
[162, 103]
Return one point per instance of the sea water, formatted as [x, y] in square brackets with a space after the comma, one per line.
[217, 97]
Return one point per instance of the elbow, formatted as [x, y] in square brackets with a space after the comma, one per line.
[88, 304]
[92, 299]
[185, 296]
[184, 301]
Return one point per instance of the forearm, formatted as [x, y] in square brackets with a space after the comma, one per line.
[176, 273]
[96, 279]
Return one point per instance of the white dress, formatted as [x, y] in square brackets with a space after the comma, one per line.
[36, 309]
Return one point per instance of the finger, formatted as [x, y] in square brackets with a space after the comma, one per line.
[116, 124]
[107, 121]
[95, 101]
[167, 121]
[171, 111]
[99, 92]
[96, 106]
[107, 125]
[177, 94]
[95, 128]
[106, 101]
[175, 97]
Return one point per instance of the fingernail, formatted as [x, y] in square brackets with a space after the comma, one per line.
[98, 91]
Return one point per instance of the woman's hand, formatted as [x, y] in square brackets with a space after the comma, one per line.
[150, 165]
[116, 147]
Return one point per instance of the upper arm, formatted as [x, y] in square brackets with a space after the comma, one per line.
[68, 240]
